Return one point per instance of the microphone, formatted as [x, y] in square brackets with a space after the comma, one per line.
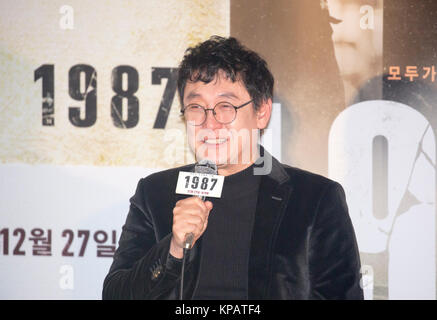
[203, 166]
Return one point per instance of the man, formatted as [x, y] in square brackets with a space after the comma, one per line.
[284, 234]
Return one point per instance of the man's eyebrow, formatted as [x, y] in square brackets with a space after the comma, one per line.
[192, 95]
[229, 95]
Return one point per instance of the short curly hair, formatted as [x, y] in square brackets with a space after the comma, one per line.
[204, 61]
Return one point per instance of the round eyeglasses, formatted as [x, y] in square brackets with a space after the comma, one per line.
[223, 112]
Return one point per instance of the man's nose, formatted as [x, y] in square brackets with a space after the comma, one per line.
[210, 121]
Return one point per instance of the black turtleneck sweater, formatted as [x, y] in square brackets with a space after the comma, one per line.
[226, 240]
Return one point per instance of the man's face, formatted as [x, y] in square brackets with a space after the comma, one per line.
[232, 146]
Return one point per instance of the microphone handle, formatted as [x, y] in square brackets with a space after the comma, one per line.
[189, 237]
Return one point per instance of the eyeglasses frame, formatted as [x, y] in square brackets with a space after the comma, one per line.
[214, 113]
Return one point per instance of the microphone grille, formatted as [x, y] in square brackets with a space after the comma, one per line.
[205, 166]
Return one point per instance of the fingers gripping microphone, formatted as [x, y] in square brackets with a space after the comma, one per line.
[203, 166]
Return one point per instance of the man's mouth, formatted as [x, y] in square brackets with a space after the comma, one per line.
[217, 141]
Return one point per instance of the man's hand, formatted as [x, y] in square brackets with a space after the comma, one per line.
[189, 215]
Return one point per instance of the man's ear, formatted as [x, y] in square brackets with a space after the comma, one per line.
[263, 113]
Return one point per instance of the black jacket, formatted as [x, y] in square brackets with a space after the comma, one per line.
[303, 244]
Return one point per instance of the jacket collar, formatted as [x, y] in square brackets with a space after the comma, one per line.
[277, 172]
[273, 197]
